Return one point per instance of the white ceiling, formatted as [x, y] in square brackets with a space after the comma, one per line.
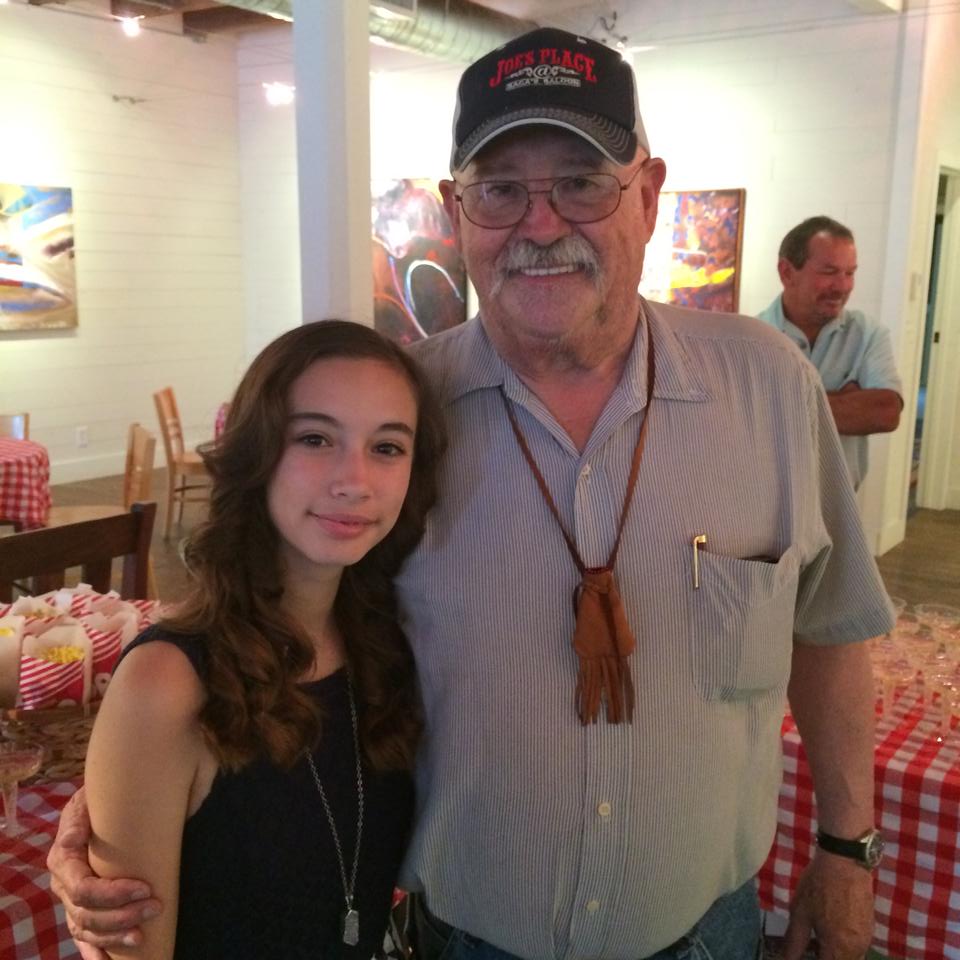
[640, 22]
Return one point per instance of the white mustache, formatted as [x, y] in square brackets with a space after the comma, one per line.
[570, 251]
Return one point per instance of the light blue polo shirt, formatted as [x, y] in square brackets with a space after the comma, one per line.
[847, 349]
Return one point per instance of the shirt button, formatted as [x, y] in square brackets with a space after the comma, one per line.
[593, 906]
[585, 472]
[604, 809]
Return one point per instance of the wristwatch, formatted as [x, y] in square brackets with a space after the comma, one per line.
[867, 850]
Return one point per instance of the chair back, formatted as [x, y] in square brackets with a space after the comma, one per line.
[138, 473]
[170, 428]
[91, 544]
[15, 425]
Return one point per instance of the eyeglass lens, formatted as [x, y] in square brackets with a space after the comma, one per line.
[580, 199]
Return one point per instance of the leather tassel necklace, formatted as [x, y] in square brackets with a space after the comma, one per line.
[602, 637]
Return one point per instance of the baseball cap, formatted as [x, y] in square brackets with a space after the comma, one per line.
[553, 77]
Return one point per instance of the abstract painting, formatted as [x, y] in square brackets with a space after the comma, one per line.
[38, 288]
[693, 258]
[419, 281]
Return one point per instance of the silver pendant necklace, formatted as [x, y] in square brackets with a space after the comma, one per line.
[351, 918]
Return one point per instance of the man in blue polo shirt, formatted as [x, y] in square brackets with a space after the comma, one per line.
[818, 261]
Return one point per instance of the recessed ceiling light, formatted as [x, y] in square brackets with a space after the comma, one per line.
[130, 25]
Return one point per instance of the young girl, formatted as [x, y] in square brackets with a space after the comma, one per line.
[251, 759]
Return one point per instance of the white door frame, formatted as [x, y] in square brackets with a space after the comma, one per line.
[943, 385]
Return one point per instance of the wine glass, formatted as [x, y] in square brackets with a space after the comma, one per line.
[17, 762]
[945, 619]
[899, 606]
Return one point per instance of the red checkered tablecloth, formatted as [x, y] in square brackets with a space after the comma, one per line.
[32, 924]
[917, 774]
[221, 422]
[24, 483]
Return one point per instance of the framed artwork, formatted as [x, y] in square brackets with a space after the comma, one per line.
[38, 287]
[419, 280]
[693, 257]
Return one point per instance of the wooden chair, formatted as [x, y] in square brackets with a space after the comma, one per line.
[47, 553]
[137, 484]
[185, 469]
[15, 425]
[137, 481]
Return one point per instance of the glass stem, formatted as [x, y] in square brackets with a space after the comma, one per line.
[11, 827]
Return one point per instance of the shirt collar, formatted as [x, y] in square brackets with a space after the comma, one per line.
[476, 365]
[797, 335]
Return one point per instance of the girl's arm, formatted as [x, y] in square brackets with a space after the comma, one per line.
[145, 751]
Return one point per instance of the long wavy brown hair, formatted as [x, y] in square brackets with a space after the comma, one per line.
[255, 653]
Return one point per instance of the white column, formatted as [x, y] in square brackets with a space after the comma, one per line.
[331, 67]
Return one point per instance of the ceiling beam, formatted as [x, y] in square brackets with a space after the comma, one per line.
[217, 19]
[141, 8]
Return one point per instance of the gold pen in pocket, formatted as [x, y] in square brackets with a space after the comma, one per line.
[698, 541]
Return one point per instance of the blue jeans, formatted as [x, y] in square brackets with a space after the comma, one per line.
[729, 930]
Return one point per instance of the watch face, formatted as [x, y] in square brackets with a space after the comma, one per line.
[873, 849]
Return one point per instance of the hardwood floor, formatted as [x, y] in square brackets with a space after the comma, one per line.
[924, 568]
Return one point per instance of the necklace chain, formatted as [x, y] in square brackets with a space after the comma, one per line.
[351, 919]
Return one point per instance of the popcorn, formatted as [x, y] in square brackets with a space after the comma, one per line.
[60, 649]
[61, 654]
[48, 676]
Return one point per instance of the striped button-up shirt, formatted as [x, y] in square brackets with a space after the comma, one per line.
[551, 839]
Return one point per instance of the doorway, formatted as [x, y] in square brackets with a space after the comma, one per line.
[936, 400]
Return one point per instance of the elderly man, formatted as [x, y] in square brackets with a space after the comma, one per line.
[817, 265]
[646, 535]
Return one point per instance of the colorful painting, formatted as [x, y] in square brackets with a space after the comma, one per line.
[38, 288]
[693, 257]
[419, 281]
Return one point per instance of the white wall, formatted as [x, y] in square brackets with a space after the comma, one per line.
[268, 179]
[157, 227]
[411, 111]
[411, 114]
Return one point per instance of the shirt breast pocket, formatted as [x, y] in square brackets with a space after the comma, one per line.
[741, 624]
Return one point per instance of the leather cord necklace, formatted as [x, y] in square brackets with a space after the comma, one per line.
[602, 637]
[351, 918]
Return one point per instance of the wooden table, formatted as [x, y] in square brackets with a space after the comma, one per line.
[24, 483]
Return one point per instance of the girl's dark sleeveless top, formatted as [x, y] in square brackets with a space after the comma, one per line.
[259, 876]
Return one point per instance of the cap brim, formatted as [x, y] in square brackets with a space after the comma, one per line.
[612, 140]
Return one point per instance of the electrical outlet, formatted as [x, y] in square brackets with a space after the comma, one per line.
[82, 437]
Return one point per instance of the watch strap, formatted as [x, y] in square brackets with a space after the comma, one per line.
[865, 850]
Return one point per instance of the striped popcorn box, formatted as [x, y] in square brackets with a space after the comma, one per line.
[55, 669]
[124, 620]
[33, 607]
[105, 649]
[148, 611]
[44, 683]
[11, 641]
[79, 603]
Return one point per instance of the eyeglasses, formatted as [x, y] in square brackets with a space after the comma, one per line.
[584, 198]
